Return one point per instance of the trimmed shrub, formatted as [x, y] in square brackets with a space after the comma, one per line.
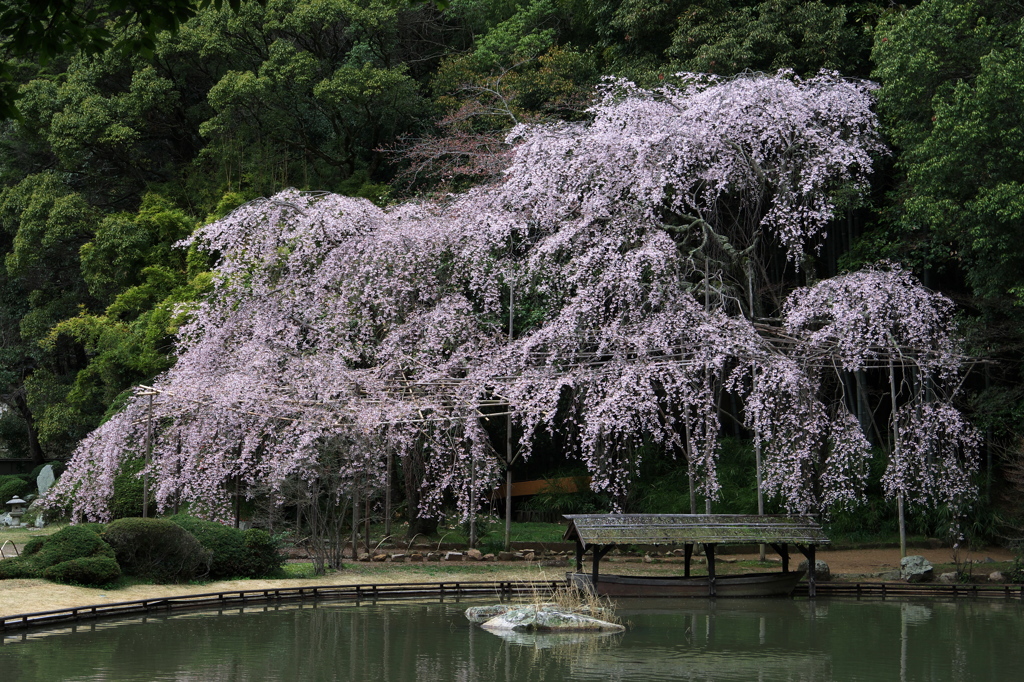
[18, 567]
[13, 486]
[158, 550]
[67, 544]
[73, 542]
[100, 528]
[91, 571]
[236, 554]
[227, 545]
[34, 545]
[263, 554]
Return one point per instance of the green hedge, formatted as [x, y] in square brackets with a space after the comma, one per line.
[41, 553]
[158, 550]
[13, 486]
[227, 545]
[263, 553]
[236, 554]
[93, 571]
[18, 567]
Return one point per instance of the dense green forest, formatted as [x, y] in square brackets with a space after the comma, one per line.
[114, 151]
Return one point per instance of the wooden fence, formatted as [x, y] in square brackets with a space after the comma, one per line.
[455, 591]
[505, 590]
[885, 590]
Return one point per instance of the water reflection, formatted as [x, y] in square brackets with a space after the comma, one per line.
[667, 640]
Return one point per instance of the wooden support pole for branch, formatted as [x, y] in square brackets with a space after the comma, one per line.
[896, 455]
[149, 458]
[387, 495]
[472, 498]
[355, 521]
[508, 444]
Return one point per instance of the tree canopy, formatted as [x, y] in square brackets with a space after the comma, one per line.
[137, 123]
[336, 326]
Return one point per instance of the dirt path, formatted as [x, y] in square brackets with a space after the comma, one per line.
[868, 561]
[28, 596]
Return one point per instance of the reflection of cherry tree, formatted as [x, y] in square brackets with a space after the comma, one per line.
[338, 326]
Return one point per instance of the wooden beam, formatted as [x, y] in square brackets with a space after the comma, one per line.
[783, 551]
[599, 552]
[687, 553]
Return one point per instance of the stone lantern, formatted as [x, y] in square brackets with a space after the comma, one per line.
[17, 506]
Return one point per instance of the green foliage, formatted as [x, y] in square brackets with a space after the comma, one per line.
[263, 554]
[68, 544]
[1017, 571]
[18, 567]
[94, 527]
[664, 484]
[876, 520]
[560, 501]
[128, 490]
[226, 544]
[235, 554]
[89, 571]
[157, 550]
[72, 542]
[951, 74]
[14, 486]
[729, 37]
[35, 544]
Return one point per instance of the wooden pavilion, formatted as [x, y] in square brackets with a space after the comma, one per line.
[599, 533]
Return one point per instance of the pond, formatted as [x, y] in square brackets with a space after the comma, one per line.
[762, 640]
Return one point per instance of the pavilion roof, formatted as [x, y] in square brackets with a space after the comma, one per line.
[678, 529]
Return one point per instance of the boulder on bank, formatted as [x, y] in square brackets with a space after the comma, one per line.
[916, 569]
[544, 618]
[822, 573]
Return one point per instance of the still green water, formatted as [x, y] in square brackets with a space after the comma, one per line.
[667, 640]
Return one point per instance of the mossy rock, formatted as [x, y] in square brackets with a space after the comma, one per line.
[94, 571]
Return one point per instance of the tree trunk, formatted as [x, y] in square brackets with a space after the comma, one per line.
[35, 451]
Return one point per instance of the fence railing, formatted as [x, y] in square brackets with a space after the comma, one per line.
[504, 590]
[884, 590]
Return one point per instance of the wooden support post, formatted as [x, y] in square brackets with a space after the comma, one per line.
[783, 551]
[687, 553]
[808, 552]
[709, 553]
[811, 573]
[579, 555]
[599, 552]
